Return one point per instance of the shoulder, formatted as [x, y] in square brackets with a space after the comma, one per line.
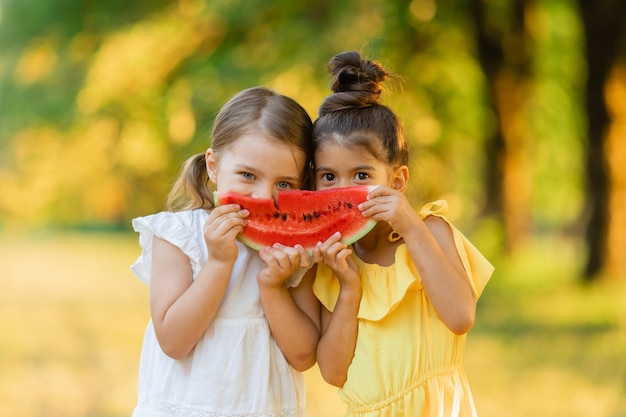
[443, 232]
[438, 226]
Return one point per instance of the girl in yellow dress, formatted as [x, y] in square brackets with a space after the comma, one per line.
[398, 303]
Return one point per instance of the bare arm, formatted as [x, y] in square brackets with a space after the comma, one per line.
[339, 332]
[339, 328]
[183, 308]
[294, 319]
[431, 245]
[432, 249]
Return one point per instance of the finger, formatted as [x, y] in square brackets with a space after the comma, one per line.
[230, 225]
[265, 255]
[366, 205]
[222, 214]
[292, 254]
[371, 210]
[377, 192]
[344, 253]
[273, 262]
[288, 250]
[227, 208]
[334, 238]
[305, 258]
[335, 248]
[281, 258]
[224, 230]
[316, 253]
[376, 206]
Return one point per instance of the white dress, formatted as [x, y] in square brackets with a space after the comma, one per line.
[236, 369]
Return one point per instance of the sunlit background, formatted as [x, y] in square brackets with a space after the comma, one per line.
[515, 113]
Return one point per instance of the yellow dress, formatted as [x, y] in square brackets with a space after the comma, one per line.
[406, 363]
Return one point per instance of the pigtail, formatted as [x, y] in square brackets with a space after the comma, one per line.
[191, 189]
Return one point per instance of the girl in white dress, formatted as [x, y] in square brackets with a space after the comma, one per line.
[231, 328]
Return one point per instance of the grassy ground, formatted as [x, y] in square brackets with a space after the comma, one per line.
[72, 318]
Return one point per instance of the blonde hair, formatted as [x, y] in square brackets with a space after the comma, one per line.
[254, 110]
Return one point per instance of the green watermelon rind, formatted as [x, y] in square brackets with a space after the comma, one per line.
[347, 240]
[361, 233]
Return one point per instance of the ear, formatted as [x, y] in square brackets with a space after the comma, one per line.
[400, 178]
[211, 165]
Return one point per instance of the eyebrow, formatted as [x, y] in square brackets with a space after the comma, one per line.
[244, 167]
[357, 168]
[290, 179]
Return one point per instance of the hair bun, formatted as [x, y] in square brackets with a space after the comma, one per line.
[352, 73]
[356, 82]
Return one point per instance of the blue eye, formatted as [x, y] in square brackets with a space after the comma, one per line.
[284, 184]
[247, 175]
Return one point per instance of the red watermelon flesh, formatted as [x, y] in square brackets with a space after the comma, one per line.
[302, 217]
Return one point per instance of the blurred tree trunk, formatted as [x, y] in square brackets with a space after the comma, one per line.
[615, 151]
[603, 26]
[505, 57]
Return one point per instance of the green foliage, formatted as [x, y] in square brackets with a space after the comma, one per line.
[102, 101]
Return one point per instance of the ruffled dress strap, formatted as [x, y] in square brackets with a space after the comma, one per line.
[182, 229]
[384, 287]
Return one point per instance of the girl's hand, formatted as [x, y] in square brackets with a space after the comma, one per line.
[336, 255]
[389, 205]
[280, 262]
[221, 229]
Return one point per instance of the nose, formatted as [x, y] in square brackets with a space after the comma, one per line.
[344, 183]
[265, 191]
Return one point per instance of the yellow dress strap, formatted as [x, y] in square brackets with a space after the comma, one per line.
[434, 207]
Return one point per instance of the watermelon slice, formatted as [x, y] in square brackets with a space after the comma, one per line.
[302, 217]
